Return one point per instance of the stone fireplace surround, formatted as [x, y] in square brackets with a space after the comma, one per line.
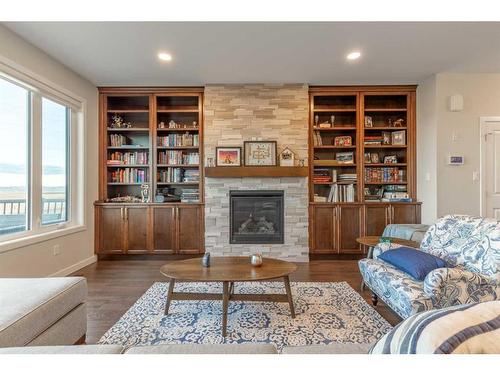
[236, 113]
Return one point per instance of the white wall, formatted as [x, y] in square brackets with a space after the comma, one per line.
[426, 149]
[455, 190]
[77, 249]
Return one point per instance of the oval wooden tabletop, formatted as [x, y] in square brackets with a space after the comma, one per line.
[227, 269]
[375, 240]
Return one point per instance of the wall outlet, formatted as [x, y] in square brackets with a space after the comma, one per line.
[475, 176]
[57, 250]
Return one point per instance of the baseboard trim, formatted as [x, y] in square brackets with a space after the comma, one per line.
[75, 267]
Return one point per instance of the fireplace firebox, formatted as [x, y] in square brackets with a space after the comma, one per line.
[256, 216]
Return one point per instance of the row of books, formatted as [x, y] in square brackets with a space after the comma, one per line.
[128, 175]
[324, 175]
[178, 175]
[339, 193]
[178, 157]
[119, 158]
[384, 175]
[318, 141]
[176, 140]
[190, 195]
[117, 140]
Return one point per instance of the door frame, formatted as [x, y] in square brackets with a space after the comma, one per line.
[484, 121]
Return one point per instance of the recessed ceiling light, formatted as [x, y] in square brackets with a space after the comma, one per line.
[165, 56]
[354, 55]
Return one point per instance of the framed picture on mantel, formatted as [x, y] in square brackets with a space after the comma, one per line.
[228, 156]
[260, 153]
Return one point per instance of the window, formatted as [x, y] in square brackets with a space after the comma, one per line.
[14, 158]
[40, 159]
[55, 124]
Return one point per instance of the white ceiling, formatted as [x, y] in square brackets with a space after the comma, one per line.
[124, 53]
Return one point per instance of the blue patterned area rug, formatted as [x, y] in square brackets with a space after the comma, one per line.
[326, 313]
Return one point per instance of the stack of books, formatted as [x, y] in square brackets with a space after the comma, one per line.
[396, 197]
[347, 177]
[373, 140]
[324, 175]
[190, 196]
[191, 175]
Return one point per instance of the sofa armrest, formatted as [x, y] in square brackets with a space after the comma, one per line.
[451, 286]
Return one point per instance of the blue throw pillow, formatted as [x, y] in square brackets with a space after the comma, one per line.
[412, 261]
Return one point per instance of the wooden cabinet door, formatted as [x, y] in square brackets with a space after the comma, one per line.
[110, 229]
[376, 219]
[349, 228]
[164, 229]
[404, 214]
[189, 230]
[323, 230]
[137, 223]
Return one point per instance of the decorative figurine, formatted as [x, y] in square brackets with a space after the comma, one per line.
[118, 123]
[145, 193]
[316, 120]
[256, 260]
[332, 118]
[205, 261]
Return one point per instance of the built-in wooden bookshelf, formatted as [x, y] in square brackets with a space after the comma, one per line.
[147, 134]
[361, 145]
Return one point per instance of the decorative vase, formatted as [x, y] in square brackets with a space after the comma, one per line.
[256, 260]
[205, 261]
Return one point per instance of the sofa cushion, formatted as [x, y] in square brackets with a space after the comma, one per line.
[70, 349]
[30, 306]
[414, 262]
[334, 348]
[204, 349]
[402, 293]
[461, 329]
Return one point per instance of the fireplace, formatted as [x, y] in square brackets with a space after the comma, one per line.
[256, 217]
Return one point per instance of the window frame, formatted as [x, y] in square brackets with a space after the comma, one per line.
[40, 88]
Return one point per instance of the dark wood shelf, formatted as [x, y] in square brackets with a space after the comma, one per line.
[386, 146]
[177, 165]
[385, 128]
[334, 165]
[386, 183]
[319, 110]
[335, 128]
[128, 110]
[334, 147]
[232, 172]
[127, 183]
[385, 165]
[128, 165]
[177, 129]
[178, 183]
[385, 110]
[176, 147]
[144, 130]
[128, 147]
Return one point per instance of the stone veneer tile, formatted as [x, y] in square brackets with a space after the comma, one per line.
[237, 113]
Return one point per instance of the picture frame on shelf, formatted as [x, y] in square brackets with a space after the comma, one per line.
[398, 138]
[287, 157]
[228, 156]
[345, 140]
[390, 159]
[260, 153]
[344, 157]
[375, 159]
[368, 157]
[368, 122]
[386, 138]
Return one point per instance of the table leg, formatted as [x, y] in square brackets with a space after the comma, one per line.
[289, 295]
[225, 303]
[169, 295]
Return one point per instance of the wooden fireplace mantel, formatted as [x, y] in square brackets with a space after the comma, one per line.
[235, 172]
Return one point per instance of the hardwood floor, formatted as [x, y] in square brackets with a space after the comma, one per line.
[114, 286]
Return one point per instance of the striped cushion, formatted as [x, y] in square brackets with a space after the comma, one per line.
[462, 329]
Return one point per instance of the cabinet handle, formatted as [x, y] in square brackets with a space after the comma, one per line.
[126, 213]
[121, 212]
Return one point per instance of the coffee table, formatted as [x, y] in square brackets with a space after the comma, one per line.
[228, 270]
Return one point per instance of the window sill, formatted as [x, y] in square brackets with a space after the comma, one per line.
[13, 244]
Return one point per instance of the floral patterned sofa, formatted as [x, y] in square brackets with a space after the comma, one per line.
[471, 248]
